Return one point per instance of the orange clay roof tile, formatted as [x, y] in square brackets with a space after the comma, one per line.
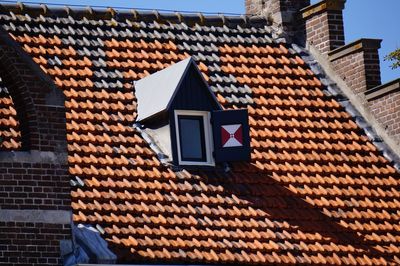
[316, 191]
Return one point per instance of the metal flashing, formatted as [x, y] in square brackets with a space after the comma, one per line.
[153, 100]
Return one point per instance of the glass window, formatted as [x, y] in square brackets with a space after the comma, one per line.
[191, 138]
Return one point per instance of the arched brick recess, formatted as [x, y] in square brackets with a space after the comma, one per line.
[39, 104]
[23, 102]
[35, 191]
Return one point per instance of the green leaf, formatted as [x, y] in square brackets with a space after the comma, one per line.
[394, 57]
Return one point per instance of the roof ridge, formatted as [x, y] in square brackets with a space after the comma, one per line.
[142, 14]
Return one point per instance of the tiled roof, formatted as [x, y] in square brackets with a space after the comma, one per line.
[317, 191]
[10, 135]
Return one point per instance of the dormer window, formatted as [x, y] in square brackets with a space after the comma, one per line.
[193, 137]
[184, 120]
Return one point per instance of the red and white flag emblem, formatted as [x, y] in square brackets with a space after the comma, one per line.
[231, 135]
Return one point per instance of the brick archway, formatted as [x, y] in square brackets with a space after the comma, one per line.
[39, 103]
[22, 98]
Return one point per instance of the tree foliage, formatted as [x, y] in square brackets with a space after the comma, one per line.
[394, 57]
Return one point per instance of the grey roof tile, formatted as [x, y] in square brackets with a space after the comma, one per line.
[217, 78]
[83, 21]
[214, 68]
[184, 26]
[9, 27]
[249, 99]
[57, 29]
[214, 89]
[198, 57]
[182, 36]
[244, 100]
[97, 42]
[100, 73]
[241, 39]
[111, 33]
[80, 32]
[101, 52]
[57, 61]
[197, 47]
[86, 30]
[222, 29]
[171, 35]
[28, 28]
[164, 36]
[65, 41]
[51, 62]
[129, 33]
[230, 78]
[245, 89]
[198, 36]
[65, 31]
[210, 48]
[243, 30]
[84, 52]
[213, 57]
[232, 99]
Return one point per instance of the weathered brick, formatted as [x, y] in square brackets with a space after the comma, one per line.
[32, 184]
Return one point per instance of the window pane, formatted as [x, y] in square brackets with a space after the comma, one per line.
[191, 133]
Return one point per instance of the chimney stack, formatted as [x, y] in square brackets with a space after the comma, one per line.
[323, 25]
[282, 13]
[357, 63]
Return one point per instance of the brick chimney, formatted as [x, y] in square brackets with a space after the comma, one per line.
[357, 63]
[282, 13]
[323, 25]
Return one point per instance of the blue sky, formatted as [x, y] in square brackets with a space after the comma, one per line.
[363, 18]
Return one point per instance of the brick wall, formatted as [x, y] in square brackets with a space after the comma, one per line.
[387, 111]
[351, 69]
[384, 104]
[34, 183]
[34, 193]
[52, 125]
[25, 243]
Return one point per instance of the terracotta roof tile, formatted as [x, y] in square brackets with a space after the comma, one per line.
[10, 135]
[317, 190]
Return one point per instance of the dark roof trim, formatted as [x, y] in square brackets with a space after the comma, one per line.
[382, 90]
[79, 12]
